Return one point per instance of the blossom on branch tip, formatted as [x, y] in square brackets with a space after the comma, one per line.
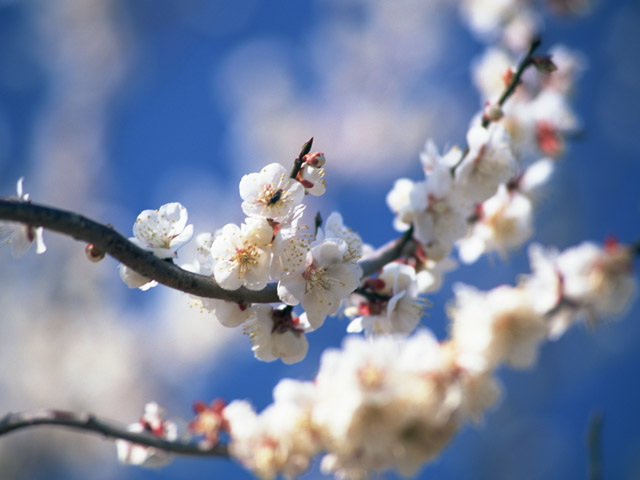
[21, 236]
[270, 193]
[152, 422]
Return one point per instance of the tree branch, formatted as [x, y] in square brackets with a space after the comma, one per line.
[108, 240]
[88, 422]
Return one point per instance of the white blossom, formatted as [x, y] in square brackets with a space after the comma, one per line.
[324, 282]
[162, 231]
[152, 422]
[312, 179]
[280, 440]
[20, 235]
[399, 201]
[503, 222]
[599, 280]
[334, 228]
[243, 255]
[502, 325]
[388, 303]
[276, 333]
[489, 162]
[270, 193]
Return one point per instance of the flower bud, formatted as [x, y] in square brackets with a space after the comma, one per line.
[315, 159]
[492, 112]
[93, 253]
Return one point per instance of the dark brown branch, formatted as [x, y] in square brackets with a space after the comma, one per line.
[90, 423]
[108, 240]
[116, 245]
[386, 254]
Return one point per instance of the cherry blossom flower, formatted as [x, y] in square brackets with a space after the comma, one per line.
[152, 422]
[270, 193]
[489, 163]
[209, 421]
[280, 440]
[598, 280]
[387, 304]
[276, 333]
[312, 179]
[243, 254]
[162, 231]
[334, 228]
[399, 202]
[21, 236]
[502, 222]
[502, 325]
[324, 282]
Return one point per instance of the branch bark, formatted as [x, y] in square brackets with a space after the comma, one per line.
[145, 263]
[89, 423]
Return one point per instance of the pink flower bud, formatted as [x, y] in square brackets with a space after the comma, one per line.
[315, 159]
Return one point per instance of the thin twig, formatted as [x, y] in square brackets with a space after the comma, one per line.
[594, 444]
[525, 63]
[89, 423]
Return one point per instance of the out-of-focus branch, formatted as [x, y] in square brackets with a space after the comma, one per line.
[387, 253]
[108, 240]
[594, 444]
[525, 63]
[90, 423]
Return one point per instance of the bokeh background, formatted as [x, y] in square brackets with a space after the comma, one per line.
[109, 107]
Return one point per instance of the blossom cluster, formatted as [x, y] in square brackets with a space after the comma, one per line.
[314, 271]
[393, 404]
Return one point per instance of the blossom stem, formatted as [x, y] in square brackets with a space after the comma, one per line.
[525, 63]
[90, 423]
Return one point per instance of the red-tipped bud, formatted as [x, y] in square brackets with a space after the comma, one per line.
[315, 159]
[93, 253]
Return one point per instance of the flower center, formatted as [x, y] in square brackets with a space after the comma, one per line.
[246, 257]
